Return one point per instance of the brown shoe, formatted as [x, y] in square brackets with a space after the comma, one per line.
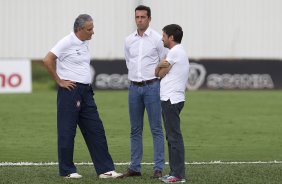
[130, 173]
[157, 174]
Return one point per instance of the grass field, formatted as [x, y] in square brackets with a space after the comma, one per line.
[216, 125]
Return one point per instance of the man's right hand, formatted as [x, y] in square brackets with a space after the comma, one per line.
[66, 84]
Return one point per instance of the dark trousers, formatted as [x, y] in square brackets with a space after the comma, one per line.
[174, 138]
[77, 107]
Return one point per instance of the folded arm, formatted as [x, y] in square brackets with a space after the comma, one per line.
[162, 68]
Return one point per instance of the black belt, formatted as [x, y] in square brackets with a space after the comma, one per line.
[143, 83]
[78, 83]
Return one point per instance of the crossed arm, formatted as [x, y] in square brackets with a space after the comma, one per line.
[162, 68]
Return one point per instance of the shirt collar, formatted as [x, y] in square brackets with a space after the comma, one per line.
[76, 40]
[147, 32]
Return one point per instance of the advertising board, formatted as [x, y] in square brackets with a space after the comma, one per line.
[203, 74]
[15, 76]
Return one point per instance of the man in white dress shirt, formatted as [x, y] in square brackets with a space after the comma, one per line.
[143, 51]
[174, 72]
[68, 63]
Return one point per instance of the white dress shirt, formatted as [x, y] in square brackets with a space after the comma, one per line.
[142, 54]
[173, 85]
[73, 62]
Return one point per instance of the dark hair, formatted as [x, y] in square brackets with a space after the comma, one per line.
[80, 21]
[175, 31]
[142, 7]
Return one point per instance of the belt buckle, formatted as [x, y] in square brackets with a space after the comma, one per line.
[142, 83]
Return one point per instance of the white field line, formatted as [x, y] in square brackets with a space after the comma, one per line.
[144, 163]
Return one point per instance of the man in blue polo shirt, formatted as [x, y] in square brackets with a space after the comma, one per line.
[75, 102]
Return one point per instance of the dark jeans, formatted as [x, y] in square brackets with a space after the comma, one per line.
[174, 138]
[77, 107]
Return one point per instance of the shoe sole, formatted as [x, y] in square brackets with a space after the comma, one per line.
[109, 176]
[174, 181]
[67, 177]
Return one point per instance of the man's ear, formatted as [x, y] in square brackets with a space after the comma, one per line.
[171, 38]
[79, 29]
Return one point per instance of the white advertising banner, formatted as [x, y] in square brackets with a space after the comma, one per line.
[15, 76]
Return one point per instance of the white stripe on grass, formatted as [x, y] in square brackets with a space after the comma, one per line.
[144, 163]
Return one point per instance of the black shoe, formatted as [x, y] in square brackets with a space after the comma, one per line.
[157, 174]
[130, 173]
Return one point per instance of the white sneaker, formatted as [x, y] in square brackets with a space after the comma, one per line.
[74, 176]
[110, 174]
[164, 177]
